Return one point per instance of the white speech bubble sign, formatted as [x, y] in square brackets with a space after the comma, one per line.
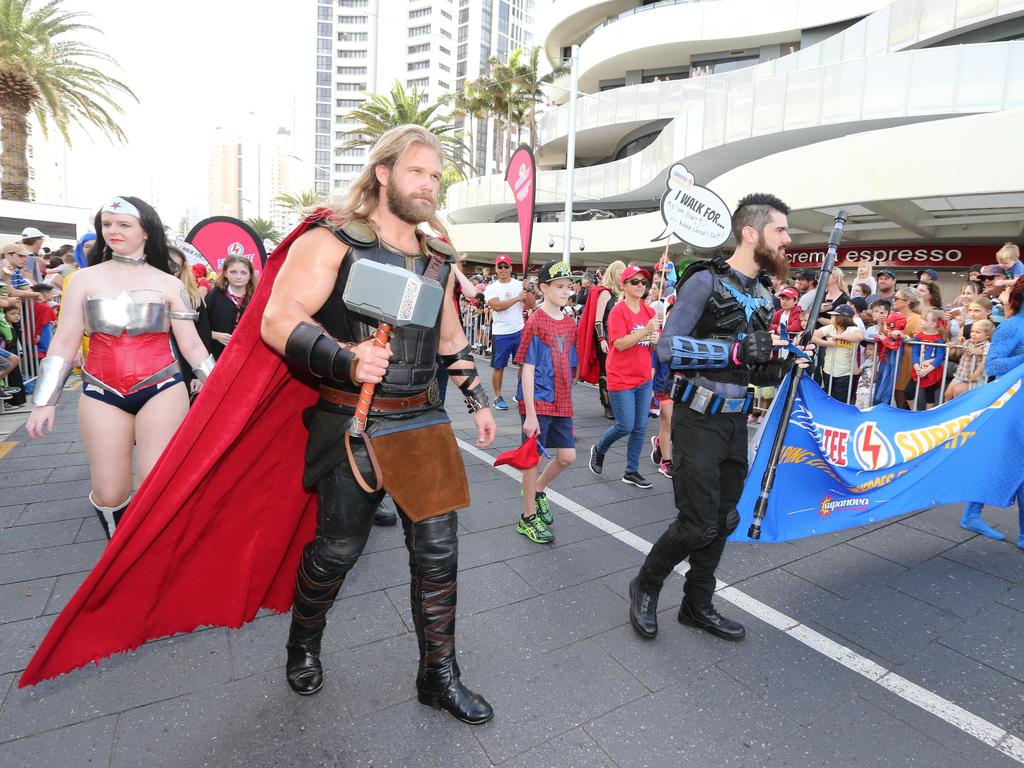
[694, 214]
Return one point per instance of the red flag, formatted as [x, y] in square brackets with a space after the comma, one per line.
[521, 173]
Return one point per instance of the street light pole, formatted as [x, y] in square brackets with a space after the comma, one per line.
[570, 152]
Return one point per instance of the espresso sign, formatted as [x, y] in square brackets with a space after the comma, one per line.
[908, 256]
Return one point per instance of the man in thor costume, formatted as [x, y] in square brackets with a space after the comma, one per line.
[308, 322]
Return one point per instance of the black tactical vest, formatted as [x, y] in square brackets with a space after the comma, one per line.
[725, 315]
[414, 352]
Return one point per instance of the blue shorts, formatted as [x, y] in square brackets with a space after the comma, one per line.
[504, 348]
[130, 403]
[555, 431]
[5, 361]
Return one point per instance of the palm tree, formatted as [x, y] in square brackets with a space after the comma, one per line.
[51, 77]
[529, 84]
[264, 230]
[301, 202]
[384, 112]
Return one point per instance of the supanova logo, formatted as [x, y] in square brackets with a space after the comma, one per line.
[829, 505]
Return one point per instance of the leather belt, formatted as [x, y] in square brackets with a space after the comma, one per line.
[703, 400]
[380, 404]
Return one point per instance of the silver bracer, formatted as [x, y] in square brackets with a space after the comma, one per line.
[122, 315]
[190, 315]
[204, 369]
[54, 372]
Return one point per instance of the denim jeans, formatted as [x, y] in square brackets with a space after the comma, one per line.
[630, 407]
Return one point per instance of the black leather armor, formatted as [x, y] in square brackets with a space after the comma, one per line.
[726, 317]
[413, 364]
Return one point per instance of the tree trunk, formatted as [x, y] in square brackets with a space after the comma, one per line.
[533, 124]
[14, 160]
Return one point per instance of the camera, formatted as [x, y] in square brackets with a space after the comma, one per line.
[583, 246]
[551, 242]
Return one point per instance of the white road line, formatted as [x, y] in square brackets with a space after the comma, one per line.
[958, 717]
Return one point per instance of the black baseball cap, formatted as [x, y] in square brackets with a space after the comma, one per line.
[859, 303]
[888, 272]
[843, 309]
[930, 272]
[554, 270]
[807, 274]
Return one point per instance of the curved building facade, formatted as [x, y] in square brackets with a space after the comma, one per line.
[904, 113]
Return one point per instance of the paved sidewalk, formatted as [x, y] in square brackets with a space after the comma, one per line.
[543, 633]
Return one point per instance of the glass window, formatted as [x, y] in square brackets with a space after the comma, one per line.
[446, 33]
[419, 31]
[351, 19]
[323, 142]
[323, 46]
[323, 126]
[350, 86]
[323, 110]
[323, 94]
[324, 13]
[323, 78]
[322, 29]
[348, 103]
[420, 13]
[322, 157]
[323, 62]
[464, 16]
[419, 48]
[414, 65]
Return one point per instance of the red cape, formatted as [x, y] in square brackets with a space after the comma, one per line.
[586, 345]
[216, 531]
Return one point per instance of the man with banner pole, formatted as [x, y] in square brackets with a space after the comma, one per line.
[717, 342]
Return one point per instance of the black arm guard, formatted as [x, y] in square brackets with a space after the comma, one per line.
[465, 366]
[599, 331]
[769, 374]
[310, 348]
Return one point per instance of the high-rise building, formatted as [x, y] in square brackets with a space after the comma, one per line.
[47, 165]
[225, 174]
[485, 29]
[431, 46]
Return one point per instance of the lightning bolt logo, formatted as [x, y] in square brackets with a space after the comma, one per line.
[870, 447]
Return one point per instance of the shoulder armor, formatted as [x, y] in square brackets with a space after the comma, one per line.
[718, 264]
[437, 245]
[765, 279]
[356, 233]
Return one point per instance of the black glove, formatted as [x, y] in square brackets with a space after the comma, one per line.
[755, 348]
[769, 374]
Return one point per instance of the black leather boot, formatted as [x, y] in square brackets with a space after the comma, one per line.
[710, 620]
[314, 595]
[643, 610]
[437, 682]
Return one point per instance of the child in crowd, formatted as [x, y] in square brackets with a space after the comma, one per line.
[970, 373]
[840, 339]
[927, 374]
[45, 318]
[547, 357]
[864, 276]
[888, 342]
[1008, 258]
[866, 381]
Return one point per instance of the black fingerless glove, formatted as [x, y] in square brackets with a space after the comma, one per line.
[755, 348]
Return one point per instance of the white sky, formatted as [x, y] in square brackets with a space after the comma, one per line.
[194, 65]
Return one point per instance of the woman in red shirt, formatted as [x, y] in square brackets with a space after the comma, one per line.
[632, 332]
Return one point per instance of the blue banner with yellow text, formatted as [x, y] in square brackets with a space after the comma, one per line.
[841, 467]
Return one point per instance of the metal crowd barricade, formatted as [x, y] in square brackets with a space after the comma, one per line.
[889, 397]
[477, 330]
[26, 352]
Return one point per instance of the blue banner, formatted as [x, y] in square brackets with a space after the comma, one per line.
[841, 467]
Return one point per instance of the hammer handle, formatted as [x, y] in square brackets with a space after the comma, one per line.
[380, 340]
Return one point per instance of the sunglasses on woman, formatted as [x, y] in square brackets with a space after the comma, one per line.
[637, 281]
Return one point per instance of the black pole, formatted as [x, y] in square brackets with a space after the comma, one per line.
[768, 480]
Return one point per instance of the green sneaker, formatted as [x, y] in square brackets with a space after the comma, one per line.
[533, 528]
[542, 509]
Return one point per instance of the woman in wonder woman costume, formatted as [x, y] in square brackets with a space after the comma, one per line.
[129, 303]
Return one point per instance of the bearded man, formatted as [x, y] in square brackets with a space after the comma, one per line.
[307, 320]
[717, 341]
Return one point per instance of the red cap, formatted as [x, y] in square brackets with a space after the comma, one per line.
[199, 270]
[632, 271]
[896, 321]
[503, 258]
[789, 292]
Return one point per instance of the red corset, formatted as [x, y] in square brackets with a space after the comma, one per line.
[123, 361]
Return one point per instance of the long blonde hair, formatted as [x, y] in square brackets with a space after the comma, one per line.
[611, 277]
[188, 282]
[364, 193]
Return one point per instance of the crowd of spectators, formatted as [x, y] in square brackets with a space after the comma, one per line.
[32, 278]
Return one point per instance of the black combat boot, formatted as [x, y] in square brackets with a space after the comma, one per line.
[314, 595]
[110, 517]
[437, 682]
